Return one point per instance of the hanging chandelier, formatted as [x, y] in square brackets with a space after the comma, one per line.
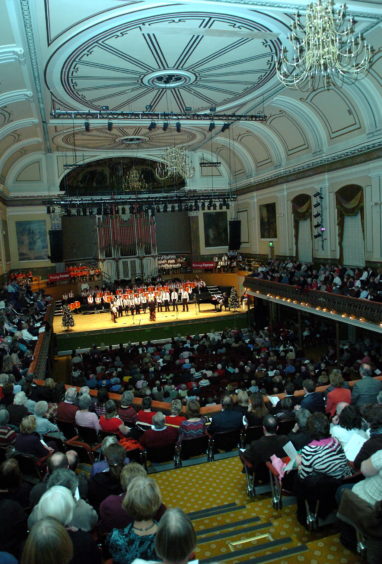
[326, 49]
[176, 161]
[134, 181]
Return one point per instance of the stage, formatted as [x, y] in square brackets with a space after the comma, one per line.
[99, 328]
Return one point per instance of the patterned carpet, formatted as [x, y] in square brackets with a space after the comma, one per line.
[234, 528]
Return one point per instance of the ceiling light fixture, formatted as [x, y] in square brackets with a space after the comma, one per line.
[326, 49]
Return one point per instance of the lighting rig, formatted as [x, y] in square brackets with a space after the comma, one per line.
[149, 203]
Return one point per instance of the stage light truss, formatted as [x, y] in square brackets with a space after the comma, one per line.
[113, 204]
[153, 117]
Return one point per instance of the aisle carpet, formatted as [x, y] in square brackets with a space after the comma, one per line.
[214, 494]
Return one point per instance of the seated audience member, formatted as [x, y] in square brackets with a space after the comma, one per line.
[59, 503]
[107, 482]
[112, 513]
[284, 410]
[160, 435]
[141, 502]
[257, 410]
[11, 483]
[175, 540]
[43, 425]
[261, 450]
[17, 410]
[102, 398]
[102, 465]
[84, 417]
[7, 433]
[111, 423]
[312, 400]
[300, 435]
[67, 409]
[84, 516]
[374, 443]
[228, 419]
[48, 543]
[370, 489]
[55, 461]
[349, 424]
[176, 417]
[195, 424]
[127, 411]
[338, 394]
[366, 390]
[28, 441]
[145, 415]
[324, 454]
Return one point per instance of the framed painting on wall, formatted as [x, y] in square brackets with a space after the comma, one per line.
[215, 229]
[32, 240]
[268, 226]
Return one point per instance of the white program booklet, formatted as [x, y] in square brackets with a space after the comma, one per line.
[292, 453]
[353, 447]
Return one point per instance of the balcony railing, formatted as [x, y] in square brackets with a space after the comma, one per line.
[352, 308]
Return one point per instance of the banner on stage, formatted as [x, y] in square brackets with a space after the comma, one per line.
[59, 276]
[203, 265]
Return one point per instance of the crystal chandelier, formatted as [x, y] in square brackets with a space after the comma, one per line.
[176, 161]
[326, 49]
[134, 181]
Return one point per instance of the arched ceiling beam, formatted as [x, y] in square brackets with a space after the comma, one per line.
[275, 146]
[16, 147]
[242, 153]
[15, 125]
[308, 120]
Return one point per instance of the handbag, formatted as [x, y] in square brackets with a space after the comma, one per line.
[355, 511]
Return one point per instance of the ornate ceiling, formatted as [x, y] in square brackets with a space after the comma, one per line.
[170, 56]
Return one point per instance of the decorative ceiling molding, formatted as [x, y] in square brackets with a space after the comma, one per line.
[15, 96]
[11, 54]
[15, 125]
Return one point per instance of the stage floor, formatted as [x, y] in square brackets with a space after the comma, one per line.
[102, 321]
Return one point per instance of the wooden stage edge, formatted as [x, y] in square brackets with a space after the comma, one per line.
[101, 322]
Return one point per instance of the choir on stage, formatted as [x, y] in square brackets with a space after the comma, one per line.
[161, 297]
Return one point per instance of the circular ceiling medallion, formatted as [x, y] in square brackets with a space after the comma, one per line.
[132, 140]
[196, 59]
[169, 78]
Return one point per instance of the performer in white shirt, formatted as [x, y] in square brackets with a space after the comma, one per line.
[166, 300]
[185, 299]
[174, 300]
[159, 301]
[90, 301]
[137, 303]
[143, 301]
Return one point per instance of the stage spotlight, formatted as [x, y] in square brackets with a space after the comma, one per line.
[225, 126]
[48, 210]
[185, 207]
[116, 210]
[196, 206]
[131, 209]
[203, 206]
[317, 205]
[87, 126]
[109, 125]
[317, 214]
[157, 208]
[172, 207]
[317, 225]
[180, 207]
[152, 126]
[211, 126]
[227, 206]
[149, 108]
[317, 194]
[105, 108]
[91, 211]
[78, 211]
[221, 206]
[213, 109]
[214, 206]
[99, 210]
[123, 210]
[178, 126]
[317, 235]
[165, 208]
[165, 126]
[84, 211]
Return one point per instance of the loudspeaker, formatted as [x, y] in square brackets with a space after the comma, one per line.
[56, 245]
[234, 235]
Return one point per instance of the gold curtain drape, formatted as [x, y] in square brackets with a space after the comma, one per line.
[349, 201]
[301, 210]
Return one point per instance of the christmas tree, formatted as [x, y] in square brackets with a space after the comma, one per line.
[233, 300]
[67, 318]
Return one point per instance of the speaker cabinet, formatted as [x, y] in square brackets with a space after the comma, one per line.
[234, 235]
[56, 245]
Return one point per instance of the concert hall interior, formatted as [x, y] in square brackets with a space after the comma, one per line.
[190, 210]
